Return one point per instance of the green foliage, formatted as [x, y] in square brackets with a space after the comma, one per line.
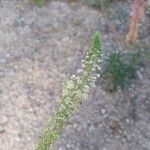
[74, 92]
[120, 69]
[39, 2]
[98, 3]
[148, 11]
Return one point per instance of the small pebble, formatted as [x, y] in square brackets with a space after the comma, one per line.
[4, 120]
[103, 111]
[127, 121]
[2, 130]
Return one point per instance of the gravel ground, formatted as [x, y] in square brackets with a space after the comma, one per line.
[39, 47]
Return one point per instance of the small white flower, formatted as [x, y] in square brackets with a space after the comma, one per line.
[91, 62]
[87, 57]
[99, 60]
[94, 78]
[73, 77]
[94, 55]
[96, 66]
[99, 68]
[79, 71]
[83, 66]
[70, 85]
[83, 61]
[79, 81]
[98, 75]
[92, 85]
[85, 97]
[93, 69]
[87, 88]
[85, 73]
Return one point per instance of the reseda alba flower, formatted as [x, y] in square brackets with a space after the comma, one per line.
[74, 92]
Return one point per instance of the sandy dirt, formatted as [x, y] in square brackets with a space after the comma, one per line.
[39, 48]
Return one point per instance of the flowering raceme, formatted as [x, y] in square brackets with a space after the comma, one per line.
[75, 91]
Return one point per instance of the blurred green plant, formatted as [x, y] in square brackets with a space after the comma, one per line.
[75, 90]
[39, 2]
[120, 69]
[98, 3]
[148, 11]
